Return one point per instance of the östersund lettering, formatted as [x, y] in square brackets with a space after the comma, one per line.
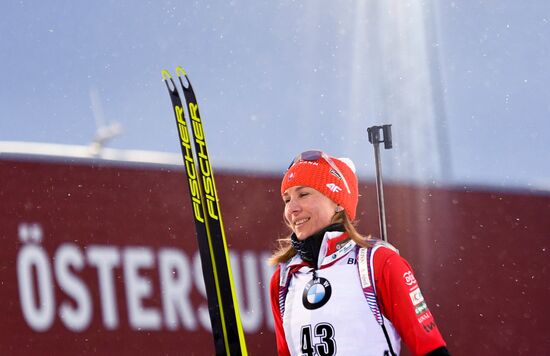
[152, 285]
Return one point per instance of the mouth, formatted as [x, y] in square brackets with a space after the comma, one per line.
[300, 222]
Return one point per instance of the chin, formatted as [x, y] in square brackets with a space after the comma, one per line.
[302, 235]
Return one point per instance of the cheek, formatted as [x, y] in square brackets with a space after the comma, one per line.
[327, 214]
[285, 213]
[327, 218]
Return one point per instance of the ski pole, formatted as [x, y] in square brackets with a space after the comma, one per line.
[375, 138]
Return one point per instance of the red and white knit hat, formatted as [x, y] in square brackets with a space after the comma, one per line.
[321, 176]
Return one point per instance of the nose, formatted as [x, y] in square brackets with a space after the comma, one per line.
[292, 207]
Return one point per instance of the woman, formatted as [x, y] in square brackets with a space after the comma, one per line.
[324, 298]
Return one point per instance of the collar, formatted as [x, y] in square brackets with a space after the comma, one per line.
[337, 246]
[322, 248]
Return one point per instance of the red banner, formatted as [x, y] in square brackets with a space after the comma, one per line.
[102, 258]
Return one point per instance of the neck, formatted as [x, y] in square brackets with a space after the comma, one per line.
[309, 248]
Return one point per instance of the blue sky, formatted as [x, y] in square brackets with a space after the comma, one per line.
[276, 78]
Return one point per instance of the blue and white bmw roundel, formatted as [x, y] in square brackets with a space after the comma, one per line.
[316, 293]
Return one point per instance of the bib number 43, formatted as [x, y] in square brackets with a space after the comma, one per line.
[324, 332]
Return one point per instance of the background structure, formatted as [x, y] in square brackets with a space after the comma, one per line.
[88, 158]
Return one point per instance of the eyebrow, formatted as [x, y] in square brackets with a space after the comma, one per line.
[299, 187]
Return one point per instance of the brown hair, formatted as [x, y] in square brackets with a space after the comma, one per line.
[285, 251]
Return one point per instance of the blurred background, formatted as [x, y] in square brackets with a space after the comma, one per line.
[462, 83]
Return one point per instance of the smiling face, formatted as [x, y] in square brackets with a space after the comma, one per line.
[307, 210]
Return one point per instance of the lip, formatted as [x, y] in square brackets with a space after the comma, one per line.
[300, 222]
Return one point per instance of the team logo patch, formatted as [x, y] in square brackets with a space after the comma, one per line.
[409, 278]
[334, 173]
[334, 188]
[423, 317]
[341, 244]
[421, 308]
[316, 293]
[416, 297]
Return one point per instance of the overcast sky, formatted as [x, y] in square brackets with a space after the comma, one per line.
[464, 84]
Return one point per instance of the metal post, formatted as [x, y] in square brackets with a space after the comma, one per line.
[375, 139]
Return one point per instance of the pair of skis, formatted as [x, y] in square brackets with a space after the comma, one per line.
[222, 302]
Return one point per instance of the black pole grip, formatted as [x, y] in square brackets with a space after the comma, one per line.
[387, 136]
[376, 138]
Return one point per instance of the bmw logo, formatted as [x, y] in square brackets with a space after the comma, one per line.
[316, 293]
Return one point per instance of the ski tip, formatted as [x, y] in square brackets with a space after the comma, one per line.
[184, 80]
[180, 71]
[166, 75]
